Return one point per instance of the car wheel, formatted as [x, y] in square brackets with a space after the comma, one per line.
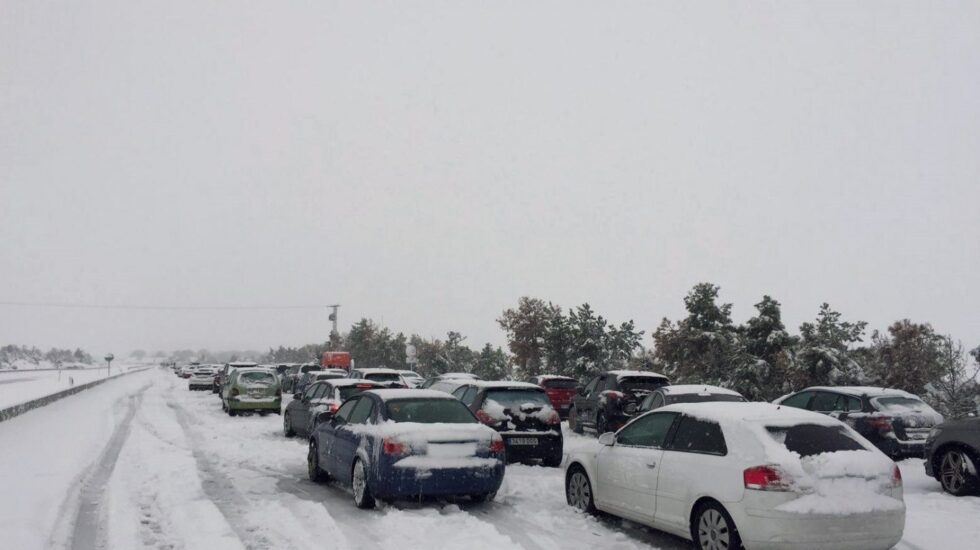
[573, 420]
[287, 427]
[359, 483]
[713, 529]
[313, 469]
[483, 497]
[600, 425]
[231, 412]
[958, 473]
[578, 490]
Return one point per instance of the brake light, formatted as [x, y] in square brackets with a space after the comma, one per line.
[497, 445]
[482, 416]
[615, 395]
[334, 406]
[364, 386]
[881, 423]
[554, 419]
[896, 477]
[764, 478]
[392, 447]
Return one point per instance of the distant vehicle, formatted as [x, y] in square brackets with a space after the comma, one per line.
[560, 389]
[187, 370]
[387, 378]
[448, 381]
[743, 475]
[523, 415]
[336, 360]
[412, 378]
[312, 376]
[611, 399]
[251, 389]
[391, 444]
[953, 456]
[897, 422]
[292, 375]
[300, 415]
[202, 378]
[687, 393]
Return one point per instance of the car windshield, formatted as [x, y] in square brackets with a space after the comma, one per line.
[350, 391]
[256, 378]
[697, 398]
[329, 376]
[641, 383]
[410, 374]
[429, 411]
[308, 368]
[383, 377]
[900, 404]
[559, 384]
[814, 439]
[513, 399]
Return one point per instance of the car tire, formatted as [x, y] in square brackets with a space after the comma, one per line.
[573, 423]
[958, 472]
[361, 489]
[578, 490]
[313, 469]
[232, 412]
[483, 497]
[287, 427]
[713, 529]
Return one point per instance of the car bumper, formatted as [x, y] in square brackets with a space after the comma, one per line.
[397, 482]
[902, 449]
[547, 446]
[255, 404]
[771, 529]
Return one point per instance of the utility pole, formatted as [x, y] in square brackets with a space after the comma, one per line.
[333, 318]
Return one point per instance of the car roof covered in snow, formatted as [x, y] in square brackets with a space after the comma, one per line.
[448, 375]
[700, 389]
[503, 384]
[858, 391]
[375, 370]
[242, 370]
[344, 382]
[242, 364]
[625, 373]
[734, 412]
[390, 394]
[544, 377]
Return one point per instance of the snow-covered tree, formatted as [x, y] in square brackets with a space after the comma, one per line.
[908, 357]
[824, 356]
[526, 328]
[955, 392]
[491, 364]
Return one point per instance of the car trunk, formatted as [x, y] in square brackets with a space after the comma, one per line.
[912, 419]
[520, 410]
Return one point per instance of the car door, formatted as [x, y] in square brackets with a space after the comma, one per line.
[585, 404]
[300, 410]
[304, 416]
[336, 435]
[693, 464]
[628, 470]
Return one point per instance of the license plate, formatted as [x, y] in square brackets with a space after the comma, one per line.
[523, 441]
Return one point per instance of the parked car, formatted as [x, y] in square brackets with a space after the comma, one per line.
[523, 415]
[411, 378]
[300, 415]
[390, 444]
[309, 377]
[897, 422]
[202, 378]
[743, 475]
[687, 393]
[292, 375]
[225, 373]
[251, 389]
[447, 376]
[953, 456]
[610, 400]
[560, 390]
[388, 378]
[187, 370]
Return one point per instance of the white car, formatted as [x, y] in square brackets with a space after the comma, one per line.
[412, 378]
[386, 378]
[202, 378]
[743, 475]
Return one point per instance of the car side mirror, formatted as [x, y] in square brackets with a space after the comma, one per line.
[607, 439]
[297, 395]
[325, 416]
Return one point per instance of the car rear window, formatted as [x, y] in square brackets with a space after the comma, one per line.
[900, 404]
[383, 377]
[256, 378]
[696, 398]
[308, 368]
[560, 384]
[513, 399]
[641, 383]
[429, 411]
[346, 392]
[814, 439]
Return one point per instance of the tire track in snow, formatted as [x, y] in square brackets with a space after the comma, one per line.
[89, 526]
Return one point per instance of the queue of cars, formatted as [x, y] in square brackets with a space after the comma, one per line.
[814, 469]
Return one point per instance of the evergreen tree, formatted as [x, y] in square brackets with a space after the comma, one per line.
[526, 328]
[824, 356]
[907, 358]
[491, 364]
[762, 372]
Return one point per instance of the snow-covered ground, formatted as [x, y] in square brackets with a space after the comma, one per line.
[24, 385]
[141, 462]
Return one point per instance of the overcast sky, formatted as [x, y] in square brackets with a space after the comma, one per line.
[428, 163]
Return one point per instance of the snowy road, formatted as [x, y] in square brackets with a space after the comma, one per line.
[141, 462]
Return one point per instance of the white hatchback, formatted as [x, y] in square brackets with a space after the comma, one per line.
[752, 475]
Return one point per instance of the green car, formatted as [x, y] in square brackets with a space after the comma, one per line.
[251, 390]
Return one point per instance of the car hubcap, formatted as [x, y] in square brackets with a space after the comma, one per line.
[579, 491]
[713, 531]
[953, 471]
[359, 482]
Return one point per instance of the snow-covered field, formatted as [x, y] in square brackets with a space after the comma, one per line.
[24, 385]
[140, 462]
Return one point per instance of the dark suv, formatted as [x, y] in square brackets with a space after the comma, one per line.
[611, 399]
[522, 413]
[953, 456]
[895, 421]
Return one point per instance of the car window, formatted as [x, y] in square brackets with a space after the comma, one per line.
[825, 402]
[429, 411]
[470, 395]
[799, 400]
[591, 387]
[308, 394]
[362, 411]
[656, 401]
[647, 431]
[854, 404]
[609, 383]
[322, 390]
[559, 384]
[384, 377]
[698, 436]
[814, 439]
[344, 412]
[458, 394]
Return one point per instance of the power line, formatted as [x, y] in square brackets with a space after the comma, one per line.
[156, 307]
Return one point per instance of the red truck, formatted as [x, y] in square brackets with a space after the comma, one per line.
[336, 360]
[560, 390]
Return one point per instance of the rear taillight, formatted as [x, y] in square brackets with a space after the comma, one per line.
[896, 477]
[764, 478]
[497, 445]
[364, 386]
[881, 423]
[482, 416]
[615, 395]
[554, 419]
[334, 407]
[395, 448]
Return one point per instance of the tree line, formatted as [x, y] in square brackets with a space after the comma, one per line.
[10, 355]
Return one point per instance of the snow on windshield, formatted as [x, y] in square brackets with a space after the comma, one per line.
[256, 378]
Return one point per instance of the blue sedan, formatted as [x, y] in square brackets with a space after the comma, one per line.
[394, 444]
